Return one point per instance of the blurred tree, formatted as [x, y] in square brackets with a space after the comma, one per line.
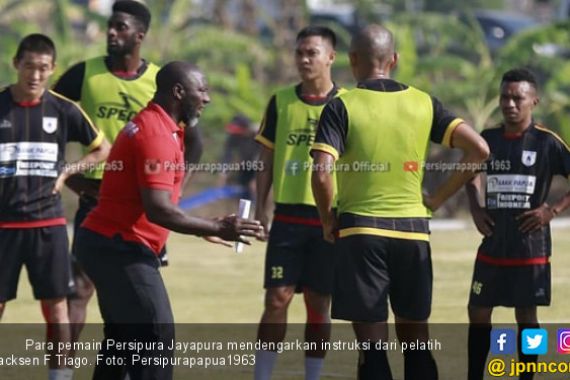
[61, 21]
[236, 71]
[221, 15]
[443, 5]
[292, 17]
[166, 38]
[449, 59]
[245, 61]
[546, 51]
[249, 18]
[57, 19]
[16, 20]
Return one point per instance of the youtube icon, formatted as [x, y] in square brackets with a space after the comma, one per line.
[411, 166]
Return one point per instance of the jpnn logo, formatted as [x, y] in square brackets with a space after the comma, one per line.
[534, 341]
[503, 341]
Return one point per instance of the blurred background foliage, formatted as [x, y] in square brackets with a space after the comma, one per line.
[246, 49]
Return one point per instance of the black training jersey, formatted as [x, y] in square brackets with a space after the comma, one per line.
[32, 152]
[519, 173]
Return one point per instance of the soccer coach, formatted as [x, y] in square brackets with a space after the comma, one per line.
[121, 238]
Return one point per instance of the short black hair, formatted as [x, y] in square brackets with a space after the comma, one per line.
[321, 31]
[138, 10]
[36, 43]
[520, 74]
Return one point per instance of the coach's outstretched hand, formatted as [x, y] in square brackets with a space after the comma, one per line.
[218, 240]
[232, 228]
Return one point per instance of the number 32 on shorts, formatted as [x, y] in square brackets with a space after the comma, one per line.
[276, 273]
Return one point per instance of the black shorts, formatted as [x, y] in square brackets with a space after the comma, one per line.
[298, 255]
[511, 286]
[45, 253]
[369, 269]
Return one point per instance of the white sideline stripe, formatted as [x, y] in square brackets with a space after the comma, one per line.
[458, 224]
[448, 225]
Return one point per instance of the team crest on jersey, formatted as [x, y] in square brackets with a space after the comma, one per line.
[49, 124]
[5, 124]
[131, 129]
[528, 158]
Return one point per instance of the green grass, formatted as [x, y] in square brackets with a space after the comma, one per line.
[212, 284]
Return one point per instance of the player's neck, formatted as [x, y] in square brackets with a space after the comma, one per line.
[129, 63]
[372, 73]
[317, 88]
[20, 96]
[517, 128]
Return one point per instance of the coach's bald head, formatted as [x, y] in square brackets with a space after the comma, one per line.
[174, 73]
[181, 88]
[372, 53]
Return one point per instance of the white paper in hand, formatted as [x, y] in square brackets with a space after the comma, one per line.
[243, 212]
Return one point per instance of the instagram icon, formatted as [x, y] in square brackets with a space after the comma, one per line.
[564, 341]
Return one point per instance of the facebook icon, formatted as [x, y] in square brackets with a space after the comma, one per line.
[503, 341]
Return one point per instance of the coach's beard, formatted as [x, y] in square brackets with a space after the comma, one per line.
[193, 122]
[190, 119]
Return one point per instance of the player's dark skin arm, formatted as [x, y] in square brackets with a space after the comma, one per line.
[193, 149]
[533, 220]
[160, 210]
[481, 218]
[323, 191]
[99, 154]
[264, 180]
[475, 151]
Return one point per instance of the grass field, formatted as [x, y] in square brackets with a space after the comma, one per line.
[212, 284]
